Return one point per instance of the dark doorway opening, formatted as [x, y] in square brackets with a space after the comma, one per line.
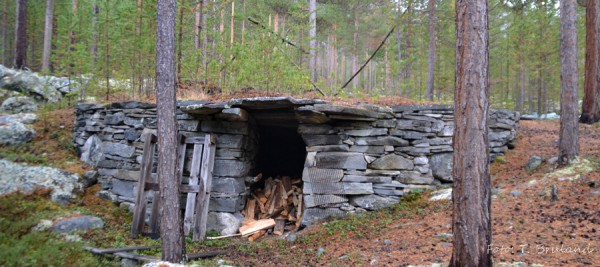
[281, 151]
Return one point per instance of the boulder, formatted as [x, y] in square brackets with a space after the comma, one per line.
[441, 166]
[533, 163]
[18, 104]
[16, 177]
[41, 88]
[13, 129]
[223, 222]
[81, 223]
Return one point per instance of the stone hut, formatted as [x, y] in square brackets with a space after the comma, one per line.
[351, 158]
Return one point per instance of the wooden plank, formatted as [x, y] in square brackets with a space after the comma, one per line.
[299, 211]
[221, 237]
[256, 225]
[190, 204]
[205, 184]
[114, 250]
[140, 203]
[184, 188]
[195, 139]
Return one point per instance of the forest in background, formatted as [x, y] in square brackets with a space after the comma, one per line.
[218, 45]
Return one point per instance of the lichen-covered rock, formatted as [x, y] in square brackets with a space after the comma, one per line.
[441, 166]
[16, 177]
[18, 104]
[14, 131]
[80, 223]
[373, 202]
[392, 162]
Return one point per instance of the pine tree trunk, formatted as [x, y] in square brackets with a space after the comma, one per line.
[408, 49]
[400, 77]
[94, 47]
[356, 81]
[431, 59]
[471, 190]
[232, 33]
[244, 20]
[179, 45]
[139, 74]
[591, 97]
[21, 35]
[568, 143]
[4, 33]
[171, 226]
[47, 36]
[312, 35]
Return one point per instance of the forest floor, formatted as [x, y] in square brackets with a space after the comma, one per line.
[527, 225]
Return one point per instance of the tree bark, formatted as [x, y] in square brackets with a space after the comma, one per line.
[94, 48]
[568, 143]
[179, 45]
[471, 195]
[171, 227]
[356, 81]
[400, 77]
[431, 59]
[591, 96]
[408, 53]
[312, 35]
[21, 35]
[47, 36]
[232, 33]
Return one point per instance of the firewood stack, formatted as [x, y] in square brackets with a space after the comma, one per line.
[278, 205]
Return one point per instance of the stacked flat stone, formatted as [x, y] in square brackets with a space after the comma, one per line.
[358, 158]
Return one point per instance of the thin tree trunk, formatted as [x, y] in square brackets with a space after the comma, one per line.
[21, 35]
[171, 226]
[591, 97]
[139, 74]
[355, 82]
[179, 45]
[568, 144]
[47, 36]
[198, 19]
[72, 33]
[276, 23]
[400, 77]
[312, 35]
[431, 59]
[107, 50]
[4, 34]
[94, 48]
[243, 19]
[232, 33]
[408, 53]
[471, 190]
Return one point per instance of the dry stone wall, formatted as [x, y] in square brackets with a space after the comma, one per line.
[357, 158]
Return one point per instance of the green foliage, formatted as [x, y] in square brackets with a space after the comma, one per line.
[20, 247]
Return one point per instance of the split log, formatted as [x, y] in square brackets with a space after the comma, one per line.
[254, 226]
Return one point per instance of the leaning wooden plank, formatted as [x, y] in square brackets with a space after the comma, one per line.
[114, 250]
[138, 257]
[256, 225]
[190, 204]
[203, 255]
[206, 184]
[140, 202]
[221, 237]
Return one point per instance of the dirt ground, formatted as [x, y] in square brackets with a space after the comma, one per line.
[527, 225]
